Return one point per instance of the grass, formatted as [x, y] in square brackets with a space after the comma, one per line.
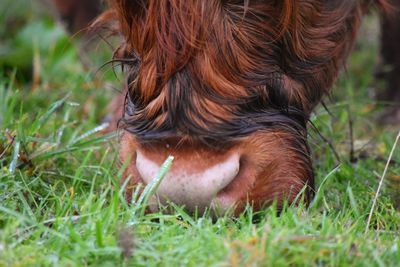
[61, 203]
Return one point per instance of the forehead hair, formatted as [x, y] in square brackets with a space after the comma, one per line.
[221, 69]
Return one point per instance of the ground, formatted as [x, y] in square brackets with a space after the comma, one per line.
[61, 203]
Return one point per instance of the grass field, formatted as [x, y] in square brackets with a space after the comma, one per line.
[61, 203]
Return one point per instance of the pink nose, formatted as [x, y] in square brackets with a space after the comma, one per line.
[192, 187]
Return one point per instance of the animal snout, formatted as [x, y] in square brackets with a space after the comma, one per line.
[194, 180]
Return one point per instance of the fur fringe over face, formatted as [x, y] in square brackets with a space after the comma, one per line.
[220, 72]
[224, 68]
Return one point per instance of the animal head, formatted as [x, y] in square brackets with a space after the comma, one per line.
[227, 87]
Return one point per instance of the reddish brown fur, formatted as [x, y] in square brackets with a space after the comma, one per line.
[227, 60]
[220, 75]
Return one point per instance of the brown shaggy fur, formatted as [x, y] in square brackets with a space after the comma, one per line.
[218, 75]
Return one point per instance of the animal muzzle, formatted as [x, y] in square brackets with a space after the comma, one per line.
[190, 182]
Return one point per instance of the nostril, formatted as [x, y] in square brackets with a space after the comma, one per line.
[190, 183]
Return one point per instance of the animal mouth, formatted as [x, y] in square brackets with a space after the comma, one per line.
[194, 188]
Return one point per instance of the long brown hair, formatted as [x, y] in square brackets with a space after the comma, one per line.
[221, 69]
